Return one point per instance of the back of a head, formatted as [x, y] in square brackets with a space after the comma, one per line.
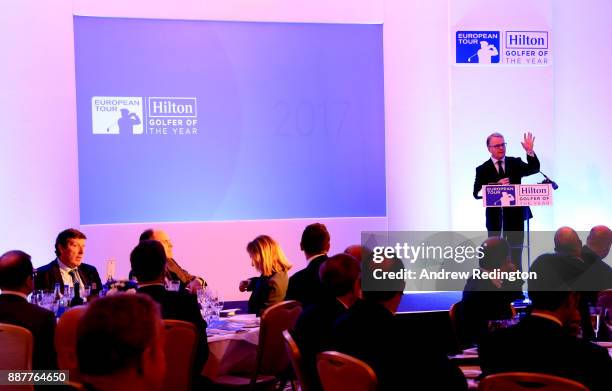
[381, 290]
[567, 242]
[495, 252]
[148, 260]
[267, 255]
[339, 273]
[65, 338]
[15, 268]
[146, 235]
[114, 333]
[600, 240]
[315, 239]
[358, 252]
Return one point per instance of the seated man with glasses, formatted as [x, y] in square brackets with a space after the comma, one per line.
[505, 170]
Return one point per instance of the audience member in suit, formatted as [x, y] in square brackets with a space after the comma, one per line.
[596, 250]
[370, 332]
[597, 275]
[68, 267]
[542, 343]
[569, 269]
[120, 344]
[305, 285]
[504, 170]
[148, 261]
[16, 283]
[487, 299]
[271, 286]
[313, 330]
[174, 272]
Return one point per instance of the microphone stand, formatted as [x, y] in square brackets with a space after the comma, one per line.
[548, 180]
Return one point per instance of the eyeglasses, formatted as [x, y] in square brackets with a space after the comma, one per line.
[502, 145]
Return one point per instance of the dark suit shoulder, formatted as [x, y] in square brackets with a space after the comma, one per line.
[484, 164]
[48, 267]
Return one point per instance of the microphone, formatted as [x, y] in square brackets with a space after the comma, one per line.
[548, 180]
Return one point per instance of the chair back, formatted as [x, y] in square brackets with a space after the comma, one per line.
[180, 350]
[272, 358]
[17, 344]
[296, 360]
[339, 371]
[65, 340]
[525, 381]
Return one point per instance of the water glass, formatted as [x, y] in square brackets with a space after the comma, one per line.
[69, 292]
[201, 296]
[36, 297]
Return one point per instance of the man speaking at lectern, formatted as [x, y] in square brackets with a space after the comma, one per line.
[505, 170]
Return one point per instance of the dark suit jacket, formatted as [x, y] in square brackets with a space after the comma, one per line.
[515, 169]
[597, 277]
[314, 333]
[560, 271]
[48, 275]
[267, 291]
[17, 311]
[181, 306]
[400, 359]
[541, 345]
[598, 274]
[482, 301]
[305, 286]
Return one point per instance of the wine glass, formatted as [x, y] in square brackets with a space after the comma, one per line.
[201, 295]
[595, 314]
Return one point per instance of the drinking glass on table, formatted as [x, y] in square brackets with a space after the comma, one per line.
[595, 314]
[47, 300]
[69, 292]
[86, 291]
[218, 307]
[36, 297]
[201, 295]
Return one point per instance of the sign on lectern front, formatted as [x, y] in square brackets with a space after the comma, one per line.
[517, 195]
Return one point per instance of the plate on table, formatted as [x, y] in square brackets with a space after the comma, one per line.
[246, 320]
[605, 344]
[471, 352]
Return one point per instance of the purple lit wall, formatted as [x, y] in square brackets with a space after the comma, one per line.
[430, 154]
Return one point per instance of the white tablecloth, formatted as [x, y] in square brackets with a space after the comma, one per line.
[230, 352]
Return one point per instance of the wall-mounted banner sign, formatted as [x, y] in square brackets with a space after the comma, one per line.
[509, 47]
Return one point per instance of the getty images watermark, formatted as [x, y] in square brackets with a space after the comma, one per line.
[445, 261]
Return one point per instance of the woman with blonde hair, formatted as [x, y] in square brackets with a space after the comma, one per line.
[271, 286]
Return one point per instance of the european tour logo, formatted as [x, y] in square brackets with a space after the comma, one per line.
[510, 47]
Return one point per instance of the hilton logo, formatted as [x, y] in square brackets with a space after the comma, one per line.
[172, 107]
[526, 40]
